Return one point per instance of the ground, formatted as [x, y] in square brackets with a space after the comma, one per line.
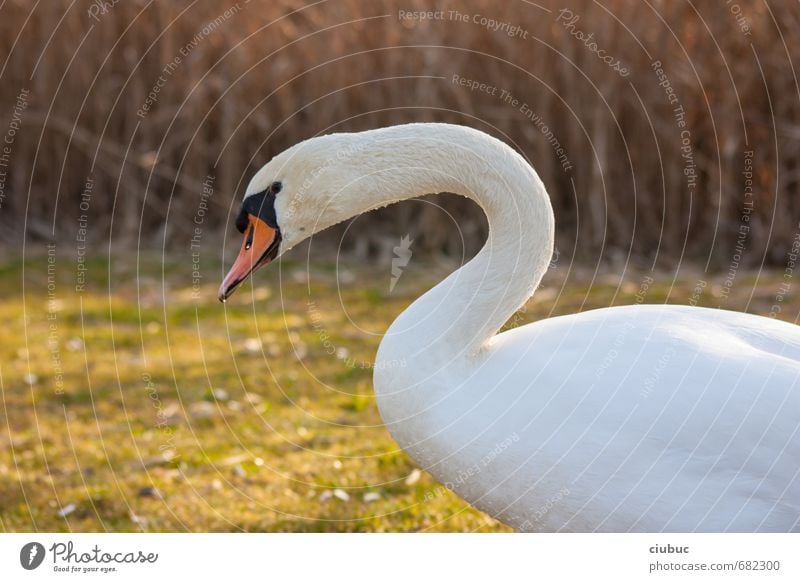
[138, 402]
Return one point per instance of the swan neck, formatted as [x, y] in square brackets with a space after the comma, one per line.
[459, 316]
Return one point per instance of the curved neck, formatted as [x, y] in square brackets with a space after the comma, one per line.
[460, 315]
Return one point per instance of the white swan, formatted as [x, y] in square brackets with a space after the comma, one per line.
[638, 418]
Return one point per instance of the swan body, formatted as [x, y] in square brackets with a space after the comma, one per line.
[641, 418]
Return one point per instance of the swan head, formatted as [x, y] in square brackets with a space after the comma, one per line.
[301, 191]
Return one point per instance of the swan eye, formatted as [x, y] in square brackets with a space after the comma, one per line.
[261, 206]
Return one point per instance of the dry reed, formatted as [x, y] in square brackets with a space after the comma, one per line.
[639, 178]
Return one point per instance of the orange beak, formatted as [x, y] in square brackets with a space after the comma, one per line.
[259, 248]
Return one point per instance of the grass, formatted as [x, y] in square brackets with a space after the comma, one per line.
[143, 404]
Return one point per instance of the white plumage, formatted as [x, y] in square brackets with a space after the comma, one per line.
[638, 418]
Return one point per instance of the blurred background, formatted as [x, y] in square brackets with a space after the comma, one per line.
[667, 134]
[265, 75]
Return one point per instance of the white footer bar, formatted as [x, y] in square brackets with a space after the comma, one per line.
[401, 557]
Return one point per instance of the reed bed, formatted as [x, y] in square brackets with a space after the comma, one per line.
[665, 131]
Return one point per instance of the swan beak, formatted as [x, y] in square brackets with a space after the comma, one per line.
[259, 248]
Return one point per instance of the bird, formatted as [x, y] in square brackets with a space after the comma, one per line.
[638, 418]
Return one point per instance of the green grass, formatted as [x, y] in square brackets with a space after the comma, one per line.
[184, 415]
